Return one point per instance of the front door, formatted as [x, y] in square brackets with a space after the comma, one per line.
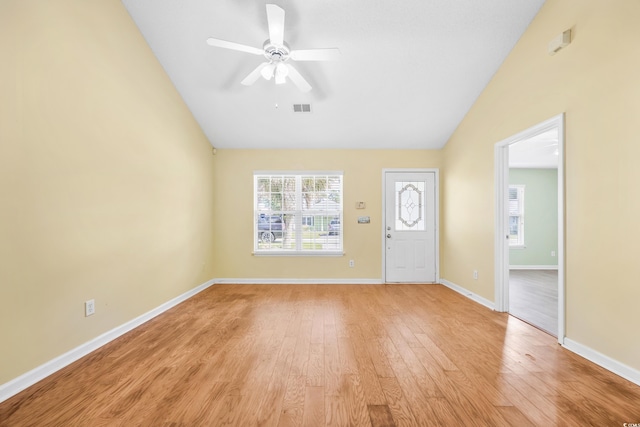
[410, 227]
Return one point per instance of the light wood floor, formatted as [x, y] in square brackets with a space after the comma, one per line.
[533, 297]
[370, 355]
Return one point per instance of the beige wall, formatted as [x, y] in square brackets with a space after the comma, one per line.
[109, 190]
[105, 179]
[362, 182]
[595, 81]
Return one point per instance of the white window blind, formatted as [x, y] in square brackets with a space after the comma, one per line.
[298, 213]
[516, 215]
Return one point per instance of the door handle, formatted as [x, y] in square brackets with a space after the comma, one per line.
[388, 236]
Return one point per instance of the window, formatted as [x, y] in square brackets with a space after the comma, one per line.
[516, 215]
[297, 213]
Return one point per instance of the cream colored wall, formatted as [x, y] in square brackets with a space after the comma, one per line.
[105, 179]
[595, 81]
[362, 180]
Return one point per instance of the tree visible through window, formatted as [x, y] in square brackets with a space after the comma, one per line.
[516, 215]
[298, 212]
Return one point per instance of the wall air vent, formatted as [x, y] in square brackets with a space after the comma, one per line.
[301, 108]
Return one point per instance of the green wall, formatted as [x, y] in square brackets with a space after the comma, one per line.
[541, 217]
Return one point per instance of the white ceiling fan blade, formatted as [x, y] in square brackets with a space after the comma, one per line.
[254, 75]
[331, 54]
[275, 18]
[234, 46]
[297, 79]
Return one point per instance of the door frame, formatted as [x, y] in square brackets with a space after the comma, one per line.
[383, 234]
[501, 165]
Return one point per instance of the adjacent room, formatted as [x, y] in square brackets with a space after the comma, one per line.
[288, 213]
[533, 230]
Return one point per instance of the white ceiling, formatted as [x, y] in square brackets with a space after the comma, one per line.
[409, 70]
[540, 151]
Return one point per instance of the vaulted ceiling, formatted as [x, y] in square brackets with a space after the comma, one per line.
[408, 72]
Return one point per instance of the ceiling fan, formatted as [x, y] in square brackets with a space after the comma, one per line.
[278, 53]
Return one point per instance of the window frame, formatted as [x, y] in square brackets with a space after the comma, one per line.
[298, 214]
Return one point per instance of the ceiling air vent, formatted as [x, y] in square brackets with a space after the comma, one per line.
[301, 108]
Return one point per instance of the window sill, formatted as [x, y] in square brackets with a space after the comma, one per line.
[299, 253]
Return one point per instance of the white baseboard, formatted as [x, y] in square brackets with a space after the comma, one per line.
[475, 297]
[27, 379]
[244, 281]
[606, 362]
[533, 267]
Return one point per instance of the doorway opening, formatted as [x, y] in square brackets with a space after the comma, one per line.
[529, 226]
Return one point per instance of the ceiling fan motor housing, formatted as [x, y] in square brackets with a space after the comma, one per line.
[276, 53]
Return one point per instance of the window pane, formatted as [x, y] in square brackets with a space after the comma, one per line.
[271, 228]
[264, 184]
[514, 222]
[264, 201]
[410, 209]
[516, 215]
[513, 193]
[276, 183]
[288, 193]
[289, 235]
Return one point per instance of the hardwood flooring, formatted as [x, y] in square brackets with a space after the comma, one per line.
[334, 355]
[533, 297]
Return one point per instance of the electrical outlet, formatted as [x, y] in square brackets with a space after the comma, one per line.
[553, 253]
[475, 274]
[89, 307]
[352, 263]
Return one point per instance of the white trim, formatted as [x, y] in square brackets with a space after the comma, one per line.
[533, 267]
[272, 281]
[475, 297]
[436, 183]
[612, 365]
[294, 253]
[561, 220]
[299, 172]
[501, 252]
[28, 379]
[501, 248]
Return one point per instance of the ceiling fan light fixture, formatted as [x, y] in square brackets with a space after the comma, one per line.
[281, 73]
[267, 71]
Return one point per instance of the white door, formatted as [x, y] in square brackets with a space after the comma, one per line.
[410, 227]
